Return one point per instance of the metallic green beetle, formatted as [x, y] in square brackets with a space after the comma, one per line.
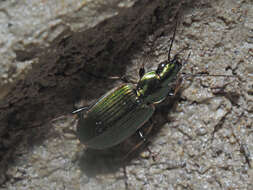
[124, 109]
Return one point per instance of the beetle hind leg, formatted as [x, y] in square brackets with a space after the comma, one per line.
[80, 110]
[143, 138]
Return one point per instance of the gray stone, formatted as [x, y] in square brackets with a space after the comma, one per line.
[47, 66]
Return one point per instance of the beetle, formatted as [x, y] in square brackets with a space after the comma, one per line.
[123, 110]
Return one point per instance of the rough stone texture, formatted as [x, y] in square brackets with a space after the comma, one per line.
[52, 49]
[207, 143]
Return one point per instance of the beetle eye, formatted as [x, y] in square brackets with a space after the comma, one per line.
[160, 68]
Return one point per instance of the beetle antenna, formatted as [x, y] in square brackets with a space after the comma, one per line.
[173, 38]
[207, 75]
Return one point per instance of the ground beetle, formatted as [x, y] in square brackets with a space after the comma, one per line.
[123, 110]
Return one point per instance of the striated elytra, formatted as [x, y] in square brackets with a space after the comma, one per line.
[123, 110]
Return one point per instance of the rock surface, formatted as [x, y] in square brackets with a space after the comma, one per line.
[49, 54]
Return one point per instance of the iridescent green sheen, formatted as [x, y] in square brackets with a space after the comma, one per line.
[153, 87]
[123, 110]
[116, 116]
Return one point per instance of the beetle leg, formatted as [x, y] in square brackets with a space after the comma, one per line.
[141, 135]
[178, 85]
[133, 149]
[80, 109]
[123, 79]
[143, 140]
[141, 71]
[171, 89]
[175, 86]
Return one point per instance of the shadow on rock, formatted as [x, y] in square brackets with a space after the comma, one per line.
[94, 162]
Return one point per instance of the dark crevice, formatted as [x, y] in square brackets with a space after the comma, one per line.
[60, 78]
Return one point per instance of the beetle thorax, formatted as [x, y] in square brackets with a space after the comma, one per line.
[153, 87]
